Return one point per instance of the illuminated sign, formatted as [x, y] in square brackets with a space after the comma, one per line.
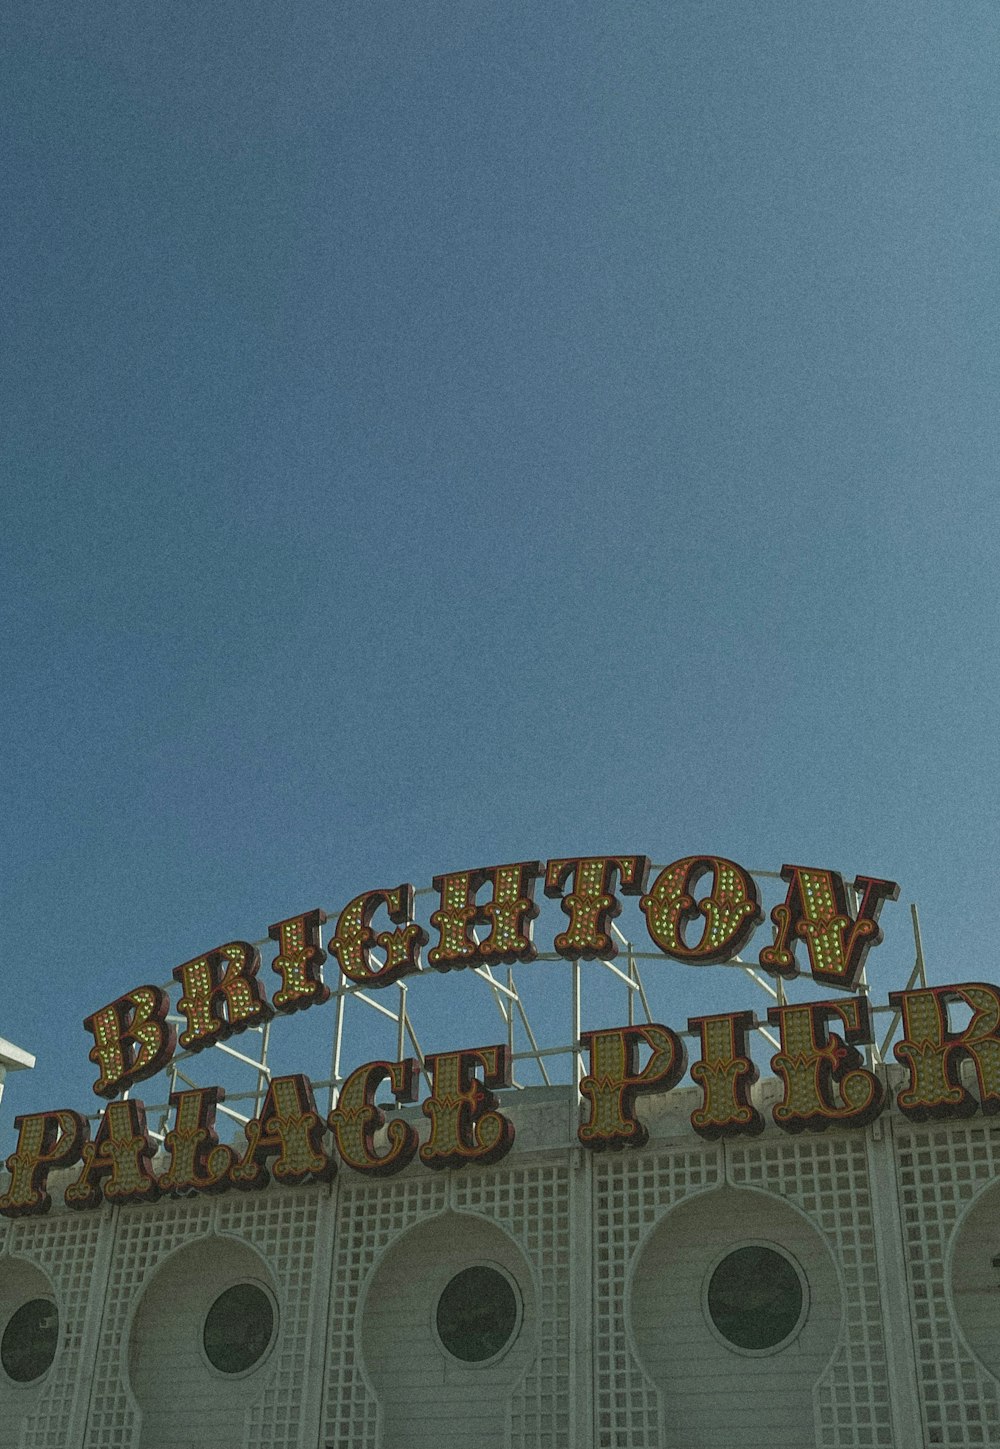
[221, 992]
[819, 1062]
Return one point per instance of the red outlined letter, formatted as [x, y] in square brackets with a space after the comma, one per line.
[614, 1081]
[221, 995]
[132, 1039]
[197, 1161]
[815, 911]
[299, 961]
[44, 1140]
[121, 1154]
[933, 1052]
[290, 1129]
[817, 1066]
[591, 904]
[731, 910]
[509, 915]
[354, 939]
[725, 1072]
[355, 1119]
[465, 1126]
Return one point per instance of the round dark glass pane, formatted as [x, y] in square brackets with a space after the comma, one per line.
[755, 1298]
[476, 1314]
[30, 1340]
[238, 1328]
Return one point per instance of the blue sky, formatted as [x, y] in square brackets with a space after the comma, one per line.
[440, 435]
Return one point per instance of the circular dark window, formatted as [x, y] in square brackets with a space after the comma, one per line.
[239, 1328]
[30, 1340]
[756, 1298]
[478, 1314]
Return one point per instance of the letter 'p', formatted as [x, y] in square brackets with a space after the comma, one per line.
[614, 1080]
[44, 1140]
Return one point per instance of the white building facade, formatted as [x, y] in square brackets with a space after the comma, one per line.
[605, 1308]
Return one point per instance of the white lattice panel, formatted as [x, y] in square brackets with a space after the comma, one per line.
[284, 1224]
[143, 1239]
[67, 1249]
[939, 1170]
[369, 1217]
[827, 1177]
[630, 1194]
[533, 1204]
